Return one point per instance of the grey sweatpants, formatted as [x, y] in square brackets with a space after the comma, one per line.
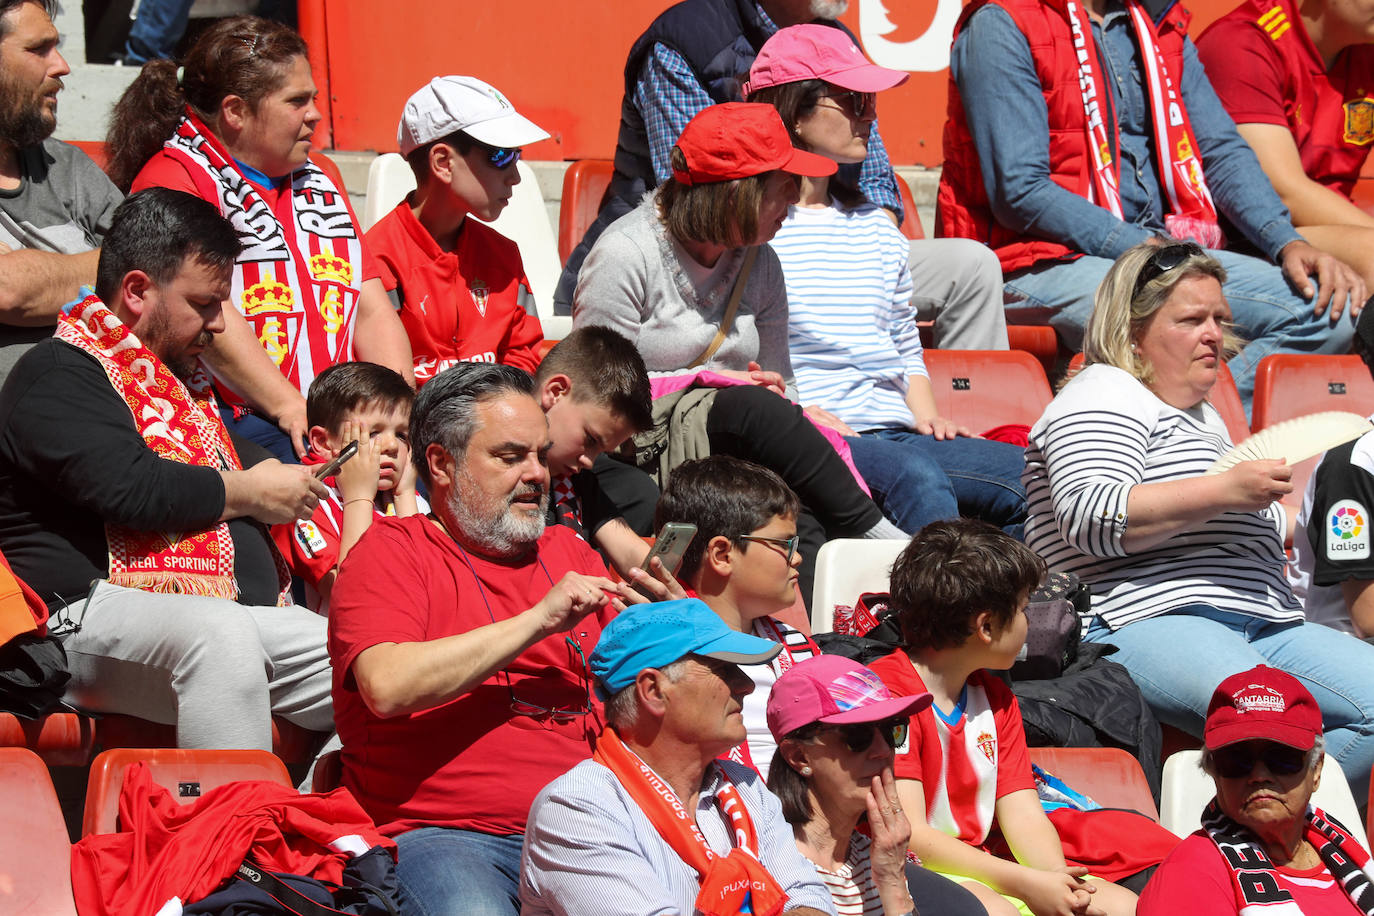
[957, 283]
[215, 669]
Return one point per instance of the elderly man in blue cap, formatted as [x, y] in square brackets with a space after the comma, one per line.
[655, 822]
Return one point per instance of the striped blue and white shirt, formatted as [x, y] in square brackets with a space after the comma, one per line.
[1102, 435]
[590, 849]
[851, 328]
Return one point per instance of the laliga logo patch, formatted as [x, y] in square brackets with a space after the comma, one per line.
[1348, 538]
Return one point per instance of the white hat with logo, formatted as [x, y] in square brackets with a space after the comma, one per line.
[453, 103]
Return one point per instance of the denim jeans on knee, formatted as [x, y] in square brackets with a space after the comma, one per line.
[442, 871]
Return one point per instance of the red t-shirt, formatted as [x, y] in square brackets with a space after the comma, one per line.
[471, 763]
[1266, 70]
[964, 766]
[1194, 879]
[465, 305]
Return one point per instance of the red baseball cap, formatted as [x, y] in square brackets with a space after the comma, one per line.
[1262, 703]
[833, 690]
[740, 139]
[818, 52]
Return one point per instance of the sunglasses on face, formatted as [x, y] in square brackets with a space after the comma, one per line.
[1238, 760]
[852, 101]
[500, 157]
[1165, 259]
[789, 545]
[859, 737]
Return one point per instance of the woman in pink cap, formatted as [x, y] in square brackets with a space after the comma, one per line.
[852, 326]
[837, 725]
[689, 278]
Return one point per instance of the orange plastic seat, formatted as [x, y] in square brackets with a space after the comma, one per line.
[186, 773]
[64, 739]
[1108, 775]
[35, 852]
[584, 187]
[981, 389]
[1289, 385]
[911, 218]
[1225, 398]
[1038, 340]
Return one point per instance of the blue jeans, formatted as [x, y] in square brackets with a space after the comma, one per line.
[441, 871]
[1266, 310]
[919, 479]
[1177, 659]
[157, 28]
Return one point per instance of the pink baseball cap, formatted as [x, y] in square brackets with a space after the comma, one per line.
[740, 139]
[1263, 703]
[818, 52]
[833, 690]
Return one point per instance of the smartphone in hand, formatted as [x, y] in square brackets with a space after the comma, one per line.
[331, 468]
[670, 546]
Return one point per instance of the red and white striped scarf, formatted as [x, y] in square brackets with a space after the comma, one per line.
[300, 273]
[1192, 213]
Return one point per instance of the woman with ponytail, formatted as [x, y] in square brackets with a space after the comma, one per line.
[233, 124]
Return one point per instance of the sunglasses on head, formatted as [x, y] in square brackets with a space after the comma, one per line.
[500, 157]
[858, 102]
[859, 736]
[1165, 259]
[1237, 760]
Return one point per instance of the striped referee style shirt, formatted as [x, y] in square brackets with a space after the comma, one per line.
[1106, 432]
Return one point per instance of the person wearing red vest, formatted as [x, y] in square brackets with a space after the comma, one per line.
[1299, 82]
[1078, 130]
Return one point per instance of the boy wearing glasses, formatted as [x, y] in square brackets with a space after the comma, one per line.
[743, 563]
[460, 286]
[959, 591]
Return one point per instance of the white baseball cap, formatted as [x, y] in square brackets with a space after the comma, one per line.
[453, 103]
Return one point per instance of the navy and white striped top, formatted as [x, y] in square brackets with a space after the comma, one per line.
[1106, 432]
[851, 328]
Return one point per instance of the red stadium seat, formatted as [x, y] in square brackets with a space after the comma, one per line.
[1038, 340]
[64, 739]
[911, 218]
[982, 389]
[1289, 385]
[187, 774]
[35, 852]
[584, 186]
[1108, 775]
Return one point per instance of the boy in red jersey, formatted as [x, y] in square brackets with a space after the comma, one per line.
[960, 591]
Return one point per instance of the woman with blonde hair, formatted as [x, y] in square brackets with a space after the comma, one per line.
[1185, 567]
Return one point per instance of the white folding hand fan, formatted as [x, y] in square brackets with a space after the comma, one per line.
[1297, 439]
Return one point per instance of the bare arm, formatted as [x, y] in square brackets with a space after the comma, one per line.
[271, 492]
[1310, 203]
[34, 285]
[378, 335]
[240, 359]
[1359, 598]
[396, 679]
[920, 400]
[1158, 511]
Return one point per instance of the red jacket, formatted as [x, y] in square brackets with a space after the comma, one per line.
[962, 204]
[167, 850]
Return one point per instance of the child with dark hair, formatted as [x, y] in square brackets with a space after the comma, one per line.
[959, 590]
[595, 393]
[743, 563]
[370, 404]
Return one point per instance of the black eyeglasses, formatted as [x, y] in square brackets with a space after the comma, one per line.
[558, 714]
[1237, 760]
[1165, 259]
[499, 156]
[859, 102]
[859, 737]
[788, 544]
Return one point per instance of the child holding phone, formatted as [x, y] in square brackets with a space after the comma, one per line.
[351, 402]
[743, 563]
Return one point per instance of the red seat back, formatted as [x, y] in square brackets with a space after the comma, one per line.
[981, 389]
[1108, 775]
[584, 185]
[35, 852]
[186, 773]
[1289, 385]
[911, 218]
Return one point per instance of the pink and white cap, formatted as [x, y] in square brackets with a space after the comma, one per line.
[833, 690]
[818, 52]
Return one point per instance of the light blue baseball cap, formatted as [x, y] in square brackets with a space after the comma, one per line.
[657, 634]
